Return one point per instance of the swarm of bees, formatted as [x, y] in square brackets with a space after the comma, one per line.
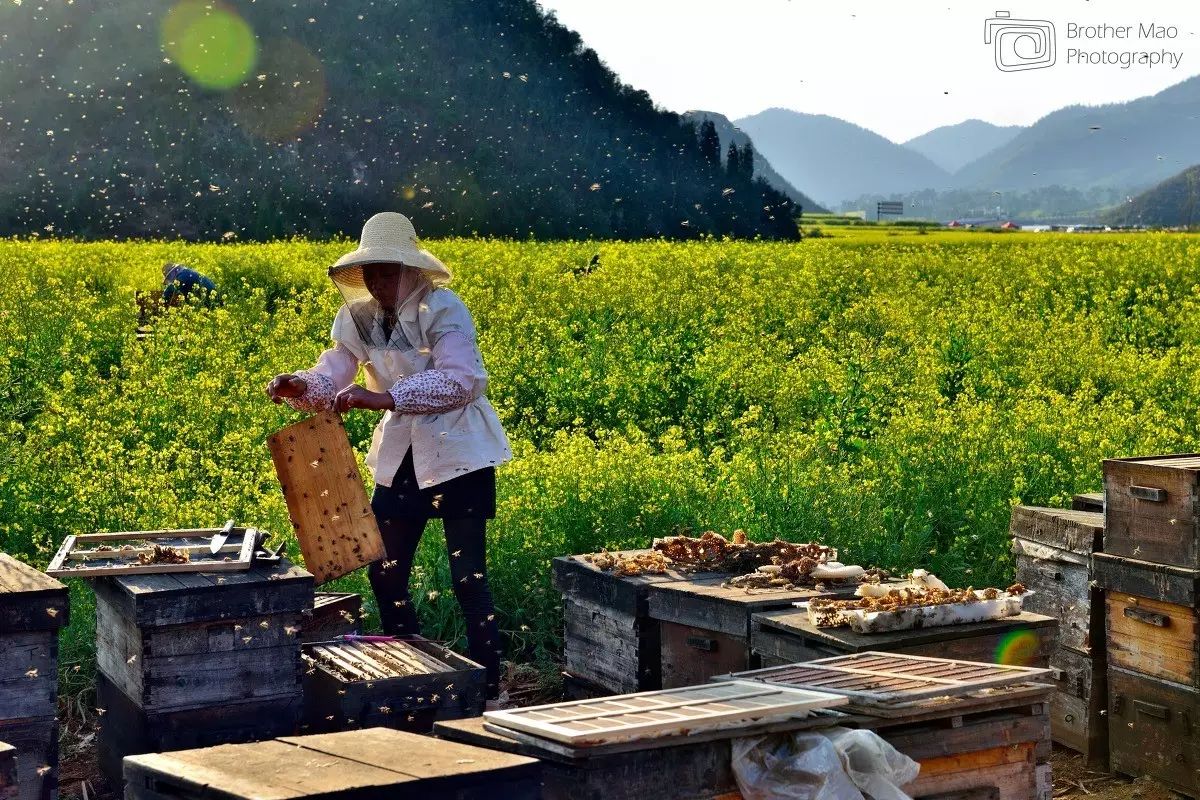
[164, 555]
[625, 565]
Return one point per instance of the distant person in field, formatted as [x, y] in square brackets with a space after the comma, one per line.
[180, 282]
[434, 453]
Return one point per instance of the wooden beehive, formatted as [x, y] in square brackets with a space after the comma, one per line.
[325, 496]
[787, 637]
[996, 744]
[198, 659]
[1153, 731]
[1079, 707]
[1089, 501]
[1152, 617]
[33, 607]
[395, 684]
[704, 626]
[1152, 509]
[372, 764]
[993, 745]
[610, 643]
[333, 614]
[127, 729]
[681, 767]
[1053, 550]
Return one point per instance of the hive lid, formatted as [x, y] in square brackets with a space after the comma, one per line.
[153, 600]
[30, 600]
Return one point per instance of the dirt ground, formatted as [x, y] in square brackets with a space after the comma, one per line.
[1074, 779]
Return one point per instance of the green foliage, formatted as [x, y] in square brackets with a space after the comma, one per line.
[893, 398]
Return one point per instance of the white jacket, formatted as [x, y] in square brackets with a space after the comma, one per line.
[444, 444]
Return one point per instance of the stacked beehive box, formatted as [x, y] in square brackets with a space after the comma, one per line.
[1150, 573]
[389, 684]
[1053, 550]
[33, 607]
[611, 644]
[191, 660]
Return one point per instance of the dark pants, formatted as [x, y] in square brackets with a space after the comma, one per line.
[465, 542]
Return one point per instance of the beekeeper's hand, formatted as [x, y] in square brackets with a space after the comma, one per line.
[358, 397]
[282, 386]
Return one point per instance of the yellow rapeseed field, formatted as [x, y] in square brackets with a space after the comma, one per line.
[891, 397]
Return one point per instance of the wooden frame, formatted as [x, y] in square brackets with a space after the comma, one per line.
[908, 680]
[327, 501]
[193, 541]
[734, 702]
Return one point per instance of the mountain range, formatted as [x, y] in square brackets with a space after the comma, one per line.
[1126, 147]
[952, 147]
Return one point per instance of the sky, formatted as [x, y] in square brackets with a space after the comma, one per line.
[897, 68]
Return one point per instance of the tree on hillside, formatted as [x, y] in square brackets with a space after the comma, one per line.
[710, 143]
[733, 166]
[497, 120]
[747, 160]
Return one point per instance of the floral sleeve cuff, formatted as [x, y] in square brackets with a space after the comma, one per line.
[430, 391]
[319, 394]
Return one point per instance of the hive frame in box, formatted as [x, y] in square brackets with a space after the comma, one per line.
[194, 541]
[741, 703]
[934, 677]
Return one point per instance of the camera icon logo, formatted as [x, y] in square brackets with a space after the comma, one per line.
[1020, 44]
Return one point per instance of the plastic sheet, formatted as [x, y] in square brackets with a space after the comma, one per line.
[833, 764]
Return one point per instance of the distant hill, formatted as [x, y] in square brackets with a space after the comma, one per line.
[1127, 145]
[836, 160]
[762, 166]
[1174, 202]
[952, 147]
[209, 119]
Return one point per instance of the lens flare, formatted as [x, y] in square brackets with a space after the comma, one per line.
[210, 43]
[1017, 649]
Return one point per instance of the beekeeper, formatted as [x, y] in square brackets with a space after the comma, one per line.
[435, 452]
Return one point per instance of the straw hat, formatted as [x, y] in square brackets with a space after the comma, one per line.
[390, 238]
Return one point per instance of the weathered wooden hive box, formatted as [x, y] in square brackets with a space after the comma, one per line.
[33, 607]
[1053, 550]
[333, 614]
[610, 643]
[1088, 501]
[193, 659]
[1152, 509]
[686, 766]
[788, 637]
[372, 764]
[977, 730]
[1153, 669]
[704, 626]
[1150, 574]
[398, 684]
[997, 745]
